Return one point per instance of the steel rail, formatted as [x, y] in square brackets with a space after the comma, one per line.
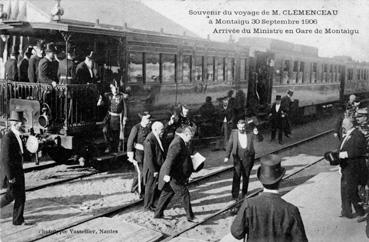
[114, 211]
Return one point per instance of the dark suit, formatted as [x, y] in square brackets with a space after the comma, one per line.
[137, 135]
[153, 159]
[286, 104]
[267, 217]
[11, 70]
[277, 121]
[83, 75]
[67, 71]
[23, 70]
[178, 165]
[243, 161]
[227, 117]
[354, 171]
[12, 167]
[33, 68]
[47, 71]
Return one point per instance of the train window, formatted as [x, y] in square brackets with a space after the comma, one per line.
[295, 66]
[135, 67]
[199, 62]
[210, 68]
[152, 67]
[187, 68]
[220, 69]
[325, 67]
[286, 66]
[168, 67]
[315, 67]
[230, 69]
[242, 70]
[350, 74]
[302, 66]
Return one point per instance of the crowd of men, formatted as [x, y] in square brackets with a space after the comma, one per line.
[40, 64]
[162, 154]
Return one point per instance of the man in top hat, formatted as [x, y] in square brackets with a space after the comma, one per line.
[241, 147]
[48, 66]
[67, 68]
[207, 112]
[23, 65]
[286, 103]
[277, 119]
[135, 147]
[267, 217]
[12, 174]
[154, 157]
[352, 151]
[35, 60]
[11, 69]
[228, 116]
[84, 70]
[115, 119]
[174, 173]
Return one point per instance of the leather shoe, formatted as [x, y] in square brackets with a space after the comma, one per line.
[362, 218]
[344, 215]
[150, 208]
[24, 223]
[193, 219]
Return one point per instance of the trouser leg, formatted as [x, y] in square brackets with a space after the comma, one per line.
[236, 177]
[150, 190]
[134, 186]
[345, 193]
[166, 195]
[182, 191]
[20, 199]
[246, 171]
[280, 134]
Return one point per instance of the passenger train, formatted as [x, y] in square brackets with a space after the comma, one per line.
[159, 71]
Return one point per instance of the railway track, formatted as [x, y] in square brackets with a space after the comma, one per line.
[138, 203]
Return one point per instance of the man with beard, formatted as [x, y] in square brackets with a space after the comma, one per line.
[241, 146]
[154, 156]
[12, 174]
[352, 153]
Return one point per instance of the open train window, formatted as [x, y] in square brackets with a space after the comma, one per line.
[242, 70]
[199, 63]
[168, 68]
[135, 67]
[187, 68]
[220, 69]
[210, 68]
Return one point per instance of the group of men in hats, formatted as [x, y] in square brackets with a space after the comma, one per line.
[40, 64]
[280, 116]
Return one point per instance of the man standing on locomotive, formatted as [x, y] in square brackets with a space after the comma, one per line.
[34, 61]
[135, 147]
[48, 66]
[67, 67]
[115, 119]
[24, 64]
[84, 70]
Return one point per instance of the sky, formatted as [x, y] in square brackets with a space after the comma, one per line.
[351, 14]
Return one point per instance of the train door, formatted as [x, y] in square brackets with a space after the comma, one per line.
[260, 84]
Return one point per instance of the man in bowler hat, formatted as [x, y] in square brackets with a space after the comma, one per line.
[35, 60]
[23, 65]
[267, 217]
[12, 174]
[48, 66]
[286, 103]
[11, 69]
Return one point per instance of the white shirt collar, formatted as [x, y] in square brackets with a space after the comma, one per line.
[17, 135]
[271, 191]
[159, 141]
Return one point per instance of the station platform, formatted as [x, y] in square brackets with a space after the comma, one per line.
[319, 202]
